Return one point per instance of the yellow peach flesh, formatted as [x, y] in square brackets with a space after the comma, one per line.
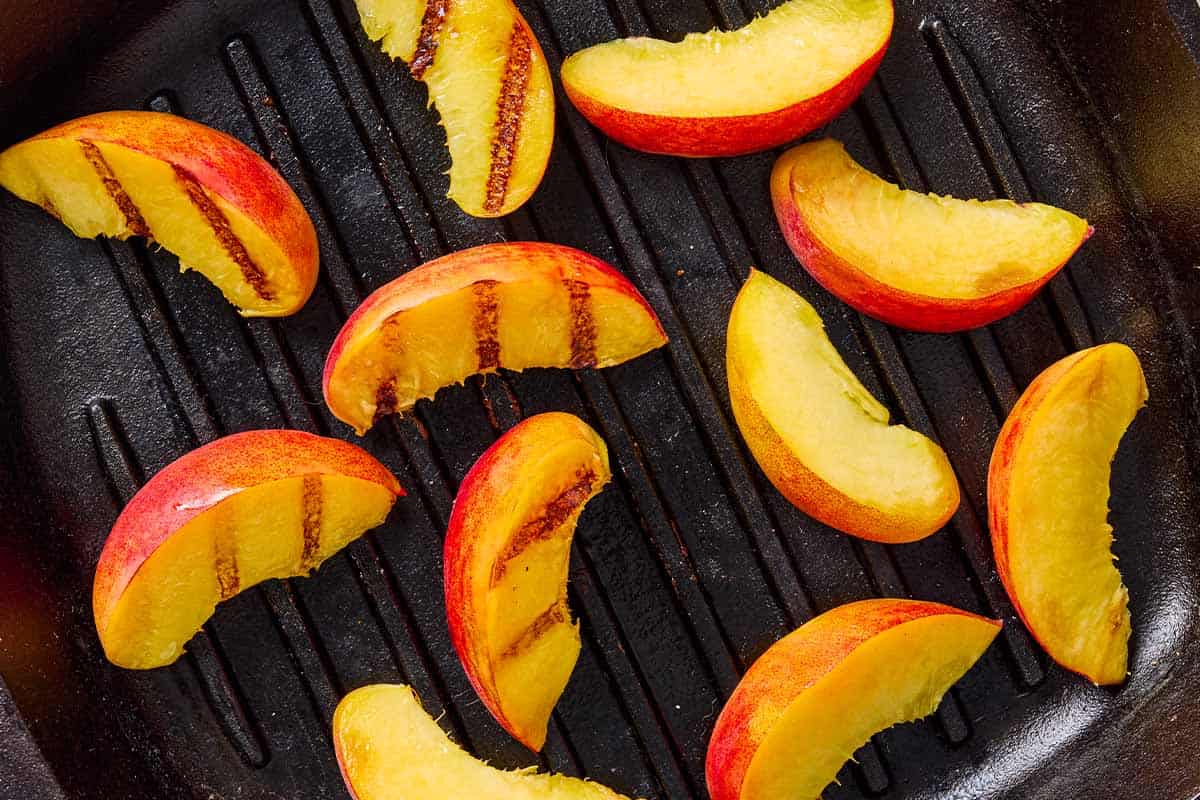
[389, 748]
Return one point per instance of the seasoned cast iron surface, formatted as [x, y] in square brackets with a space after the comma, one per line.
[689, 565]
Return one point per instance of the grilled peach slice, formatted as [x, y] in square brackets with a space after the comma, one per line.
[818, 434]
[918, 261]
[1048, 506]
[506, 559]
[199, 193]
[489, 80]
[511, 305]
[725, 93]
[389, 748]
[236, 512]
[821, 692]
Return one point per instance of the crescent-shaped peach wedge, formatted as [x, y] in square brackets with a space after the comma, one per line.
[506, 557]
[725, 93]
[231, 514]
[918, 261]
[199, 193]
[821, 692]
[512, 305]
[816, 431]
[1048, 490]
[488, 78]
[389, 748]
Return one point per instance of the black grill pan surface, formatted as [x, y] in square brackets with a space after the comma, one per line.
[689, 565]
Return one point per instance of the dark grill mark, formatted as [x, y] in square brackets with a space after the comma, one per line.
[220, 227]
[487, 324]
[552, 616]
[508, 118]
[133, 217]
[543, 527]
[51, 209]
[427, 39]
[312, 502]
[385, 401]
[225, 562]
[583, 324]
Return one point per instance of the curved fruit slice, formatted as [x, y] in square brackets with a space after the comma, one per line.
[198, 192]
[511, 305]
[821, 692]
[818, 434]
[389, 748]
[506, 558]
[236, 512]
[489, 80]
[919, 261]
[725, 93]
[1048, 508]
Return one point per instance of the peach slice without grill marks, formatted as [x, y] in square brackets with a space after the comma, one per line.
[199, 193]
[919, 261]
[389, 748]
[1048, 490]
[506, 559]
[726, 93]
[821, 692]
[818, 434]
[488, 78]
[236, 512]
[511, 305]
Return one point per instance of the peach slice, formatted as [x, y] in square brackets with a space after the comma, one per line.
[199, 193]
[389, 748]
[506, 557]
[231, 514]
[512, 305]
[725, 93]
[488, 78]
[822, 691]
[918, 261]
[1048, 506]
[816, 431]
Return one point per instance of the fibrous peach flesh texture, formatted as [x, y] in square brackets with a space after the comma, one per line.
[488, 78]
[389, 748]
[925, 244]
[100, 188]
[274, 530]
[804, 414]
[799, 50]
[507, 556]
[1057, 542]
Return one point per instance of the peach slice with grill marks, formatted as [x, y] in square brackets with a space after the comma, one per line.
[512, 305]
[233, 513]
[506, 558]
[918, 261]
[199, 193]
[389, 748]
[1048, 491]
[818, 434]
[726, 93]
[821, 692]
[488, 78]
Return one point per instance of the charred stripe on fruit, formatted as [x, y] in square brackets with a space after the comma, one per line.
[583, 324]
[554, 615]
[427, 39]
[312, 503]
[225, 561]
[133, 217]
[219, 224]
[487, 324]
[558, 511]
[385, 400]
[51, 209]
[508, 118]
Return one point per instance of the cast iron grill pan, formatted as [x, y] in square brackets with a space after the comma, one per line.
[689, 565]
